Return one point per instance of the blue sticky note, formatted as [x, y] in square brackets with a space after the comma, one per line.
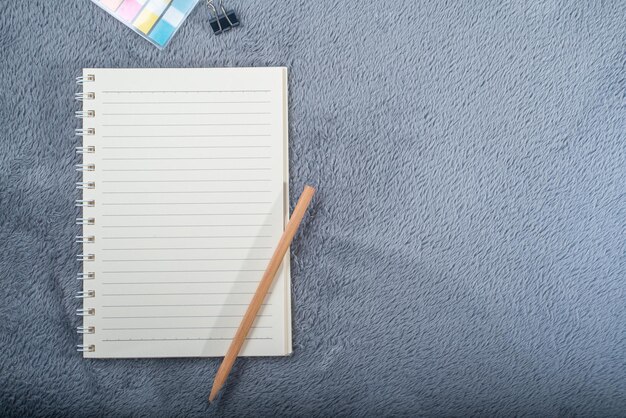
[184, 5]
[162, 32]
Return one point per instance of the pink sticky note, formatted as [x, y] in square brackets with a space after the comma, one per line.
[128, 10]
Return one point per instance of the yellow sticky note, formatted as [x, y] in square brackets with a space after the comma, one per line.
[145, 20]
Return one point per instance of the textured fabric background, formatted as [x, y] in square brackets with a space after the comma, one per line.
[465, 254]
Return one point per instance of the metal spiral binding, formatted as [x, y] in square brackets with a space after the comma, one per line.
[86, 330]
[81, 348]
[85, 167]
[85, 132]
[81, 97]
[86, 312]
[86, 185]
[86, 79]
[86, 276]
[85, 201]
[84, 294]
[82, 114]
[90, 149]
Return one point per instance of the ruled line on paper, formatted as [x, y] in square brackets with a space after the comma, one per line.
[180, 282]
[178, 294]
[184, 113]
[188, 169]
[199, 147]
[180, 316]
[184, 181]
[188, 191]
[184, 203]
[182, 339]
[185, 124]
[194, 236]
[183, 226]
[186, 248]
[212, 102]
[182, 91]
[184, 259]
[180, 305]
[185, 214]
[155, 328]
[188, 136]
[178, 271]
[182, 158]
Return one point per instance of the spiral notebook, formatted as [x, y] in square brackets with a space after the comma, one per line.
[184, 197]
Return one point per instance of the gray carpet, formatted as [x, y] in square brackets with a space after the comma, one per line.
[465, 254]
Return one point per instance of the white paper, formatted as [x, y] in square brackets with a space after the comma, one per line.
[191, 199]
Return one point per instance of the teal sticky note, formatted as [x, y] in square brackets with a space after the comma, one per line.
[184, 5]
[162, 32]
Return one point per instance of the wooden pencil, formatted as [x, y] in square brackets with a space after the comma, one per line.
[261, 291]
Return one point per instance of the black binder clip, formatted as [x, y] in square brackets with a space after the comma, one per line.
[222, 20]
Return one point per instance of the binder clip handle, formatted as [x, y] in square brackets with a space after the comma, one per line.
[214, 20]
[220, 19]
[229, 15]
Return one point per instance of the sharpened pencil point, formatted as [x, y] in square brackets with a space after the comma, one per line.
[213, 395]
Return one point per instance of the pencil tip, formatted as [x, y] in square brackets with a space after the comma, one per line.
[215, 390]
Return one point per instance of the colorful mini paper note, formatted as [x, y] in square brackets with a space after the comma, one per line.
[155, 20]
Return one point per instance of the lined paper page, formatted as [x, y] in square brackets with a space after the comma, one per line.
[190, 192]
